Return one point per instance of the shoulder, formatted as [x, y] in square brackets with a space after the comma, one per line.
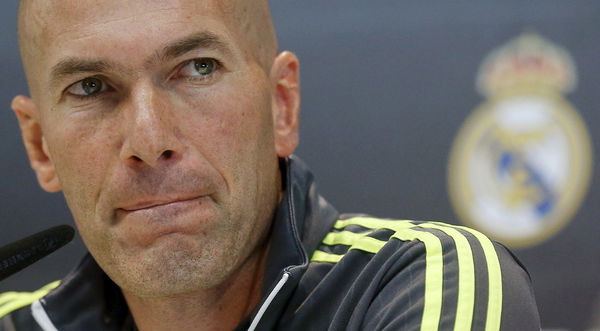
[12, 301]
[456, 276]
[434, 239]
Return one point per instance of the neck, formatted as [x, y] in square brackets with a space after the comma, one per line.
[219, 308]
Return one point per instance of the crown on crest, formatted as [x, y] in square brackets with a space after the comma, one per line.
[528, 61]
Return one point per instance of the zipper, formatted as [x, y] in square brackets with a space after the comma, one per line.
[41, 317]
[270, 298]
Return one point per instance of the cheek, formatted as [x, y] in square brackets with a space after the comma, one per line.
[81, 150]
[231, 121]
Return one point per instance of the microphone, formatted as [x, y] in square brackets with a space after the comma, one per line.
[22, 253]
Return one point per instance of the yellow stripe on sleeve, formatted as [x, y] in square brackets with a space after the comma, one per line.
[374, 223]
[320, 256]
[355, 241]
[466, 276]
[343, 238]
[405, 230]
[494, 309]
[434, 275]
[12, 301]
[434, 270]
[7, 297]
[358, 241]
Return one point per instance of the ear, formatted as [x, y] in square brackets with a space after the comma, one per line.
[35, 144]
[285, 78]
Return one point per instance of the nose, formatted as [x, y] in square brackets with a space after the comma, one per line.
[151, 136]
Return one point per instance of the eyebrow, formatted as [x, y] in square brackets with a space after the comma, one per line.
[74, 65]
[71, 66]
[194, 41]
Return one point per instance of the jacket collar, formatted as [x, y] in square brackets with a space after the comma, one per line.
[301, 221]
[86, 299]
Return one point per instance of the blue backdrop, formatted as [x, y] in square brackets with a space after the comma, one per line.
[386, 87]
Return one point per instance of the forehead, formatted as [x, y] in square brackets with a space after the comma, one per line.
[59, 14]
[56, 16]
[59, 27]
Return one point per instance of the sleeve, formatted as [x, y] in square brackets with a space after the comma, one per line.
[7, 324]
[519, 308]
[19, 320]
[452, 278]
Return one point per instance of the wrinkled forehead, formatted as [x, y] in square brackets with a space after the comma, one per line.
[49, 19]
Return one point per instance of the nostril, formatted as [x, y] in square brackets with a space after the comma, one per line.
[167, 154]
[136, 158]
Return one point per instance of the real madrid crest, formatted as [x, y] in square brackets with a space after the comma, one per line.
[520, 165]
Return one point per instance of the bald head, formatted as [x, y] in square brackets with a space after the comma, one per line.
[254, 20]
[40, 21]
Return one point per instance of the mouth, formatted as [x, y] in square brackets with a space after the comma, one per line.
[157, 203]
[143, 221]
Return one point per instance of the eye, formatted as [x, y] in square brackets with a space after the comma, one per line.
[199, 67]
[87, 87]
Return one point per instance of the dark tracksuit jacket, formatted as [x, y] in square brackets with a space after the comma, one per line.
[327, 271]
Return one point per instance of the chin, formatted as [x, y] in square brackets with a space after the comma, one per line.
[166, 271]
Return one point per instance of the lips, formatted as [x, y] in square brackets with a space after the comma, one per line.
[141, 223]
[164, 210]
[156, 203]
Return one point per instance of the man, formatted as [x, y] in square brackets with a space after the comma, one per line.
[170, 128]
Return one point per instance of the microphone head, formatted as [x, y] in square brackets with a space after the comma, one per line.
[22, 253]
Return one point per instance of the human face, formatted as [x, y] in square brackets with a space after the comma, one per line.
[163, 129]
